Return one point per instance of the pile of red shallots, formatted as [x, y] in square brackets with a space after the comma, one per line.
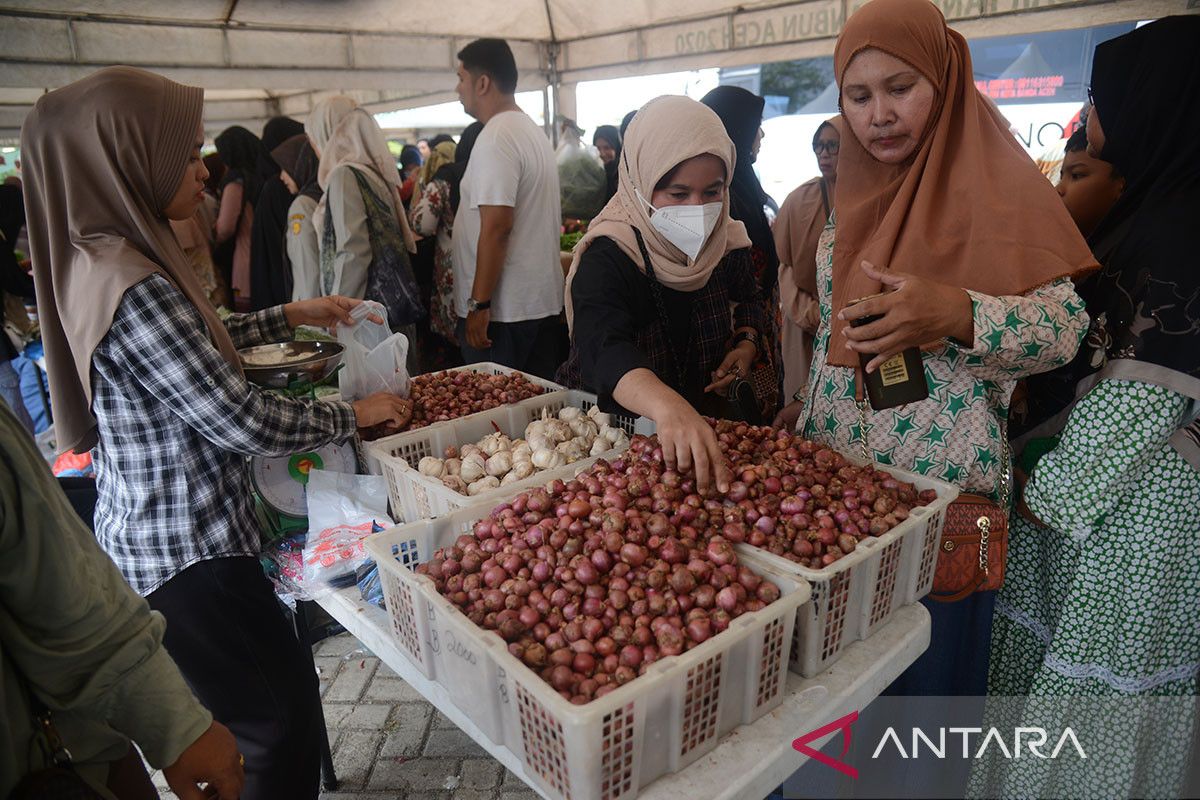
[590, 586]
[800, 500]
[443, 396]
[593, 580]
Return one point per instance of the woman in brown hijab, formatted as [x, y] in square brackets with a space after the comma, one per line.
[143, 371]
[937, 204]
[801, 220]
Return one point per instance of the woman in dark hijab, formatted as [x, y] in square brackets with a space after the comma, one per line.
[453, 173]
[270, 276]
[608, 142]
[240, 189]
[1082, 611]
[298, 165]
[741, 111]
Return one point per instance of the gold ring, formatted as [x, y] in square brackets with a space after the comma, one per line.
[241, 759]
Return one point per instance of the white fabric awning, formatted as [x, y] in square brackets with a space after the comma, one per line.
[259, 58]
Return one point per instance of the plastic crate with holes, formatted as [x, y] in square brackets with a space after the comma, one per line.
[857, 594]
[609, 748]
[415, 496]
[487, 368]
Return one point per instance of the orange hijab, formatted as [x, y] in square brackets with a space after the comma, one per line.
[969, 209]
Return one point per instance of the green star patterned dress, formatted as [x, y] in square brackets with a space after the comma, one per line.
[1104, 602]
[954, 435]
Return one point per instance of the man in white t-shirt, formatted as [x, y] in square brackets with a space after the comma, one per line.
[508, 281]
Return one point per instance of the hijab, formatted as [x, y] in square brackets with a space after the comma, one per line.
[969, 208]
[609, 134]
[278, 130]
[453, 173]
[440, 155]
[798, 228]
[103, 157]
[652, 150]
[346, 135]
[241, 151]
[297, 158]
[741, 112]
[1145, 300]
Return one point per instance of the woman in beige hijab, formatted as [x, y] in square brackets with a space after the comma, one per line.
[653, 282]
[144, 371]
[801, 220]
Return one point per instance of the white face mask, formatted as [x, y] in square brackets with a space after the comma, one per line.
[686, 227]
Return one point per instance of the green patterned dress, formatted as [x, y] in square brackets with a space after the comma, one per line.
[954, 435]
[1104, 603]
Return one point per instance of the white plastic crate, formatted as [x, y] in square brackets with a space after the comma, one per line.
[609, 748]
[487, 368]
[415, 496]
[857, 594]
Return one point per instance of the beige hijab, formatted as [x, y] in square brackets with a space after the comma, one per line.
[969, 209]
[346, 135]
[801, 220]
[102, 158]
[653, 147]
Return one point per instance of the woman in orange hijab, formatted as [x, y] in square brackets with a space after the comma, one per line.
[938, 206]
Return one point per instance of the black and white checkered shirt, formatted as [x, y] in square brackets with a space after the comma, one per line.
[176, 422]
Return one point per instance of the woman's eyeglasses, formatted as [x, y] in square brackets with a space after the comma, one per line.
[830, 147]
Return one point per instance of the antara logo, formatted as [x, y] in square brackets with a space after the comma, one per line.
[1033, 739]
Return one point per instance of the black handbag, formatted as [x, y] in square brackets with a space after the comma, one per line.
[59, 780]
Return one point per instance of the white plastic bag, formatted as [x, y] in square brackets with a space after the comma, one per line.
[374, 359]
[343, 510]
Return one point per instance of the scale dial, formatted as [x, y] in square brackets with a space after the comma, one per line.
[281, 482]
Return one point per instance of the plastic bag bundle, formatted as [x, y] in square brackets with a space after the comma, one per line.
[583, 186]
[343, 510]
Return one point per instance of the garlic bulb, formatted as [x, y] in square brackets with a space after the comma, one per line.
[473, 468]
[601, 419]
[453, 467]
[483, 485]
[454, 482]
[500, 464]
[622, 440]
[611, 434]
[431, 466]
[540, 441]
[511, 477]
[523, 452]
[600, 445]
[558, 430]
[584, 427]
[466, 450]
[571, 451]
[569, 413]
[544, 458]
[522, 469]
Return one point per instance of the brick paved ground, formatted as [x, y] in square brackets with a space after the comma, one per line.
[389, 743]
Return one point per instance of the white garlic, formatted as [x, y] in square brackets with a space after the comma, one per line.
[584, 427]
[522, 469]
[542, 459]
[523, 452]
[454, 482]
[511, 477]
[466, 450]
[557, 430]
[611, 434]
[569, 413]
[431, 466]
[601, 419]
[601, 445]
[540, 441]
[473, 468]
[499, 464]
[483, 485]
[453, 467]
[622, 440]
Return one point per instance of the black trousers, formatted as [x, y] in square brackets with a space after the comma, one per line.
[231, 640]
[536, 346]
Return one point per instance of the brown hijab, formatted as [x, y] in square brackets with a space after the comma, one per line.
[970, 208]
[103, 158]
[652, 148]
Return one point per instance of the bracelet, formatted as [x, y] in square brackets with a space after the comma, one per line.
[746, 336]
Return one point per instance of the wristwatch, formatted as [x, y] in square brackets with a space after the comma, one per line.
[747, 336]
[474, 305]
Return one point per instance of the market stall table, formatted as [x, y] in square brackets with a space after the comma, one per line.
[749, 762]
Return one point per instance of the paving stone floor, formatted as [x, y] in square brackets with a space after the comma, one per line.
[389, 743]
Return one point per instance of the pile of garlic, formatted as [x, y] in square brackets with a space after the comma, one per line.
[550, 442]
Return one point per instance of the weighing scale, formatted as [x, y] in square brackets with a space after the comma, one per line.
[279, 485]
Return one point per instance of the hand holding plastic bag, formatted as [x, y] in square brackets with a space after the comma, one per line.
[374, 358]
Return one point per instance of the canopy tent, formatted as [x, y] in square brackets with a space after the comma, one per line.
[259, 58]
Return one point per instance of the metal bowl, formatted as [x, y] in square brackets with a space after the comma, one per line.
[278, 366]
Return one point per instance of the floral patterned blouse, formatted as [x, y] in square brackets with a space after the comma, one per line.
[955, 434]
[431, 214]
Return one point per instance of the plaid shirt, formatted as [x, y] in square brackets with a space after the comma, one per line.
[176, 422]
